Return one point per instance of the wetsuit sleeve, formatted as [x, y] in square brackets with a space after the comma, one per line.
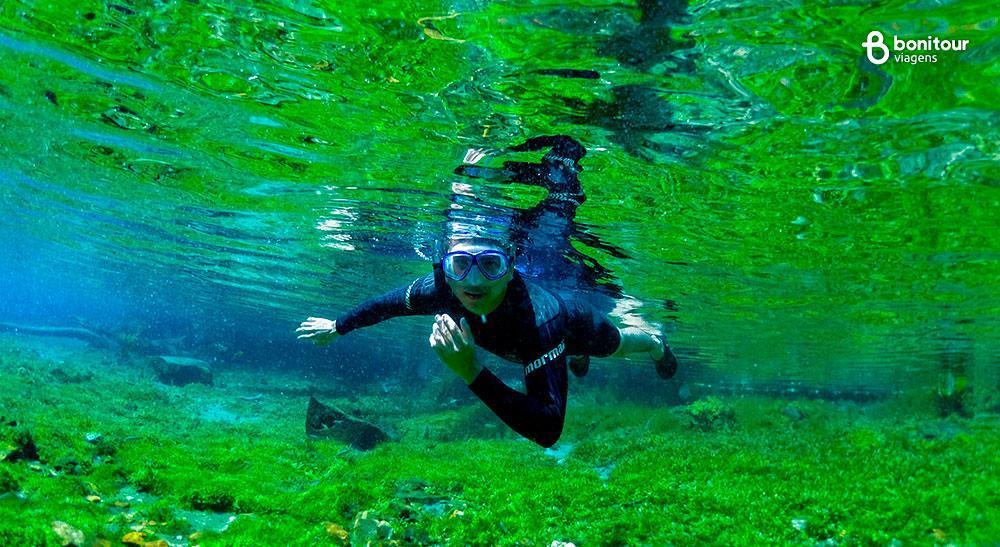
[421, 297]
[537, 415]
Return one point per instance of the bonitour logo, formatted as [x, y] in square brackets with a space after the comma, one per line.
[908, 51]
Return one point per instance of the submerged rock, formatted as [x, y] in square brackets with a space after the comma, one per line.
[134, 538]
[16, 442]
[67, 534]
[415, 497]
[324, 421]
[205, 521]
[181, 371]
[336, 532]
[370, 530]
[793, 412]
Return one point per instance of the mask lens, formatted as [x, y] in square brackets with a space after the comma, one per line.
[493, 265]
[456, 266]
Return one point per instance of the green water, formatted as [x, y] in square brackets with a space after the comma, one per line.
[837, 219]
[825, 220]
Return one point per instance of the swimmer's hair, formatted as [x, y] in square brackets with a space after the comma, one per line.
[501, 243]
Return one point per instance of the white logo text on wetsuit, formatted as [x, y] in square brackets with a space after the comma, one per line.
[538, 363]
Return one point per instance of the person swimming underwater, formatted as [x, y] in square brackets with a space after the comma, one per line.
[479, 299]
[543, 234]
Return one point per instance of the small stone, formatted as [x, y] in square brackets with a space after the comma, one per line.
[793, 412]
[368, 529]
[195, 536]
[134, 538]
[67, 534]
[94, 499]
[17, 444]
[336, 532]
[456, 513]
[157, 543]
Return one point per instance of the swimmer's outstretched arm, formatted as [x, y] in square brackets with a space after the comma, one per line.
[417, 298]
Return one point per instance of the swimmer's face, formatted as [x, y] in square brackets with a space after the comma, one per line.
[477, 293]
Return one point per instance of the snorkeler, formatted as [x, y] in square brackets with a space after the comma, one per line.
[542, 235]
[479, 299]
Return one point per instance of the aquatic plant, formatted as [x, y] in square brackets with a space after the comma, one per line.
[711, 414]
[953, 397]
[8, 482]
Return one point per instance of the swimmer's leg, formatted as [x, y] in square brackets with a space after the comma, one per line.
[592, 334]
[634, 340]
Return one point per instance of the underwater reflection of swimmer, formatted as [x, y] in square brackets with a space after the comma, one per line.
[650, 42]
[645, 43]
[543, 233]
[637, 116]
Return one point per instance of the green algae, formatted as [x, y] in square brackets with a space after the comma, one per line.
[711, 414]
[625, 472]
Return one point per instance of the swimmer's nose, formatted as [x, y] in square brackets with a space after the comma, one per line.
[475, 278]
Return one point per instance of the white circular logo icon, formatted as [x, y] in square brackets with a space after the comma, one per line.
[876, 41]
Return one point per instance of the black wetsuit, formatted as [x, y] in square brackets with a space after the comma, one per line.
[532, 326]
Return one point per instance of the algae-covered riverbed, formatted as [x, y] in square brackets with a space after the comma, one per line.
[122, 457]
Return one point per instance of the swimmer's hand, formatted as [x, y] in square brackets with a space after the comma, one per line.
[473, 156]
[454, 345]
[321, 331]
